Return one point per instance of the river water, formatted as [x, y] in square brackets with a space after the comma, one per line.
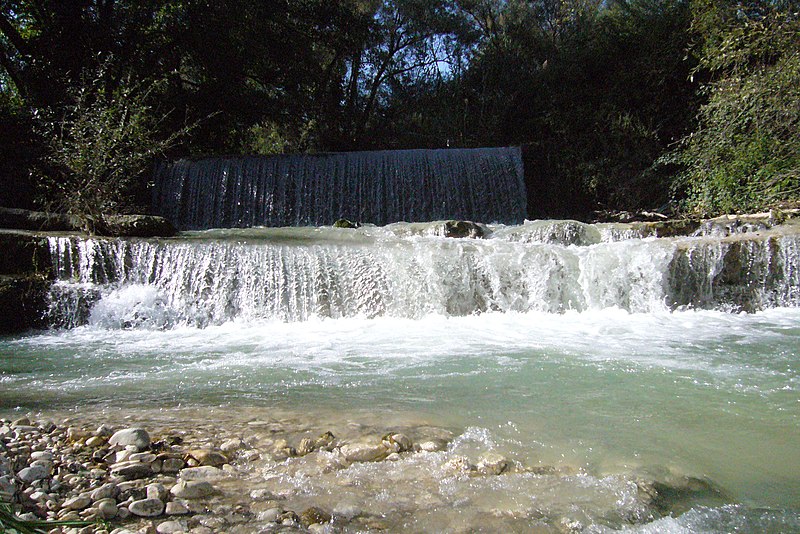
[573, 351]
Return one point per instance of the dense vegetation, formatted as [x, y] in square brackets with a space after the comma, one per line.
[638, 104]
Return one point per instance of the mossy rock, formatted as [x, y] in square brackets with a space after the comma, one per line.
[344, 223]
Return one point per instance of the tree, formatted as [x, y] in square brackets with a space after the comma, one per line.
[99, 146]
[745, 154]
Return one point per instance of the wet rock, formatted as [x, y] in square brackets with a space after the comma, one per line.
[462, 229]
[364, 452]
[232, 446]
[492, 463]
[192, 489]
[205, 457]
[147, 507]
[344, 223]
[346, 511]
[202, 473]
[434, 445]
[397, 442]
[137, 437]
[313, 515]
[270, 516]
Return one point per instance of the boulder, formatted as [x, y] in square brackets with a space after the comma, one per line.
[460, 229]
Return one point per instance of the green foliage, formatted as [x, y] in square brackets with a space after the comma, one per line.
[745, 154]
[11, 524]
[99, 144]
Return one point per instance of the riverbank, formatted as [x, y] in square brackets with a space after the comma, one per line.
[206, 471]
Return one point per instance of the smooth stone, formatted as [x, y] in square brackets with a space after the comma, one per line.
[347, 511]
[270, 516]
[143, 457]
[95, 441]
[156, 491]
[205, 472]
[38, 496]
[176, 508]
[147, 507]
[137, 437]
[168, 527]
[106, 491]
[131, 470]
[77, 503]
[107, 508]
[22, 421]
[172, 465]
[364, 452]
[193, 489]
[232, 445]
[432, 446]
[207, 457]
[46, 456]
[33, 473]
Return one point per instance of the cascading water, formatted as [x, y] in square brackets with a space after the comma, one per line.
[296, 274]
[602, 364]
[485, 184]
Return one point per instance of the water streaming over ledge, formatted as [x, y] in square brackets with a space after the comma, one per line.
[381, 187]
[408, 271]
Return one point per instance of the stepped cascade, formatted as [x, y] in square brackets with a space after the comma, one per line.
[485, 184]
[408, 271]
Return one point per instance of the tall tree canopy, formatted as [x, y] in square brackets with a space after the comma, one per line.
[600, 91]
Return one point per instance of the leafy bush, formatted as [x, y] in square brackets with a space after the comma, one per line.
[100, 144]
[746, 153]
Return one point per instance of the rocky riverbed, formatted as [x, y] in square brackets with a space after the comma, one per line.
[269, 471]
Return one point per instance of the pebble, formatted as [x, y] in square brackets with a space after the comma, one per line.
[176, 508]
[105, 491]
[77, 503]
[136, 437]
[192, 489]
[32, 473]
[206, 472]
[147, 507]
[107, 508]
[131, 470]
[232, 446]
[168, 527]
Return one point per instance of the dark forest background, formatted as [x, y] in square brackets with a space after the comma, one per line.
[688, 106]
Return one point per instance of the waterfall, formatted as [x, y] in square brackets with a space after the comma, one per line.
[382, 187]
[407, 271]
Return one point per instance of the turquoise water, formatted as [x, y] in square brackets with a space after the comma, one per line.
[707, 393]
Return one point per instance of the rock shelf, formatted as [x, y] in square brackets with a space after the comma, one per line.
[282, 475]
